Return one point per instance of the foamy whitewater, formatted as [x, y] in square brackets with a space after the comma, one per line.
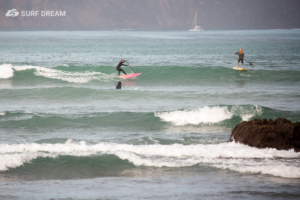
[76, 77]
[6, 71]
[226, 155]
[64, 127]
[208, 115]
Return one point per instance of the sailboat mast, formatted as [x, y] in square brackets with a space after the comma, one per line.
[196, 18]
[196, 28]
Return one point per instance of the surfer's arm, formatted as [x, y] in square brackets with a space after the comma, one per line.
[236, 52]
[124, 64]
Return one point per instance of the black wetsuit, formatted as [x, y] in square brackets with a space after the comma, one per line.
[120, 69]
[119, 85]
[241, 57]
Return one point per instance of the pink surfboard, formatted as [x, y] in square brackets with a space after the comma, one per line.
[130, 75]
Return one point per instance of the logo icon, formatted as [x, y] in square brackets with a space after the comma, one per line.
[12, 13]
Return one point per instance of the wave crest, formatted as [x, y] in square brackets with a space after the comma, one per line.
[237, 157]
[209, 114]
[74, 77]
[6, 71]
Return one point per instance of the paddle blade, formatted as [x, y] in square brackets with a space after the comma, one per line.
[251, 65]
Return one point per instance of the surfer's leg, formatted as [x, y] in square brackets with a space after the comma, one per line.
[238, 63]
[243, 63]
[122, 71]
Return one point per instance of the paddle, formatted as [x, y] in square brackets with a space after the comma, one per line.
[130, 66]
[249, 63]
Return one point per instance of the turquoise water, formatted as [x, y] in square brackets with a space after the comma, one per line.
[64, 127]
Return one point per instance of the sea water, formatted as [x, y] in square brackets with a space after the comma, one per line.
[67, 133]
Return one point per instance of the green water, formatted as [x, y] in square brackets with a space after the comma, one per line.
[65, 127]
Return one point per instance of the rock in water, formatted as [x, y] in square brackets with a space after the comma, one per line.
[281, 134]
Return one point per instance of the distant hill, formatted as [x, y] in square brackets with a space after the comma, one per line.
[153, 14]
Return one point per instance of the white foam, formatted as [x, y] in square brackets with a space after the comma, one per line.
[201, 115]
[65, 65]
[247, 117]
[231, 156]
[6, 71]
[75, 77]
[15, 160]
[208, 115]
[247, 112]
[273, 167]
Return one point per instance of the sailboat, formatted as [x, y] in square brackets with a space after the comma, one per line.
[197, 28]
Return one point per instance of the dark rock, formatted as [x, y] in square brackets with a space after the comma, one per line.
[256, 122]
[264, 122]
[280, 134]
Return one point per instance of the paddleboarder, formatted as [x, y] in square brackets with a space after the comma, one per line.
[241, 57]
[119, 67]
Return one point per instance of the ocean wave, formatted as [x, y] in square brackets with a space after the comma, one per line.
[69, 76]
[284, 169]
[6, 71]
[209, 114]
[154, 74]
[217, 118]
[236, 157]
[64, 65]
[75, 77]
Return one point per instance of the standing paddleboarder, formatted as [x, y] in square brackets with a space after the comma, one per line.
[119, 67]
[241, 57]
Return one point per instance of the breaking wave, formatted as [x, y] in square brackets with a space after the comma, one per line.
[236, 157]
[7, 71]
[209, 114]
